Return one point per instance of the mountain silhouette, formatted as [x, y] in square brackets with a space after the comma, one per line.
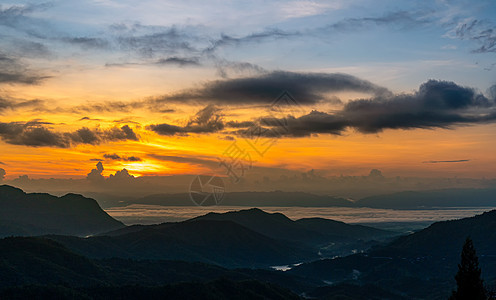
[420, 265]
[224, 243]
[40, 213]
[34, 266]
[313, 231]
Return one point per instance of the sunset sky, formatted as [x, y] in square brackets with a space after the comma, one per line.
[171, 87]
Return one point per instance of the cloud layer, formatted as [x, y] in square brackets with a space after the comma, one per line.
[437, 104]
[37, 134]
[308, 88]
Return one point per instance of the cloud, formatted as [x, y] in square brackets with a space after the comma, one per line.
[483, 32]
[207, 120]
[268, 34]
[35, 134]
[115, 156]
[95, 175]
[13, 71]
[87, 42]
[437, 104]
[306, 88]
[205, 161]
[445, 161]
[404, 19]
[225, 67]
[179, 61]
[148, 41]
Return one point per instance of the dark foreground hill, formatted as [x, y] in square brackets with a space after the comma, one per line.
[42, 268]
[420, 265]
[37, 213]
[220, 289]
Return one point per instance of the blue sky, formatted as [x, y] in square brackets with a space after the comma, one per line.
[395, 43]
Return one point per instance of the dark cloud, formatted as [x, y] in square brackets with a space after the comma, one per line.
[13, 71]
[207, 120]
[87, 42]
[437, 104]
[115, 156]
[95, 175]
[108, 106]
[13, 104]
[179, 61]
[205, 161]
[35, 134]
[31, 135]
[225, 67]
[2, 174]
[445, 161]
[31, 49]
[269, 34]
[483, 32]
[306, 88]
[149, 41]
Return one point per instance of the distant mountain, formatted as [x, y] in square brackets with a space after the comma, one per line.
[420, 265]
[224, 243]
[434, 198]
[37, 213]
[252, 199]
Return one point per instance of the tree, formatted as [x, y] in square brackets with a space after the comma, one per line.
[470, 286]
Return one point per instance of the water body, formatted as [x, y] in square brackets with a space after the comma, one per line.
[400, 220]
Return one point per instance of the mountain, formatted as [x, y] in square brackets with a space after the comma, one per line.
[444, 239]
[45, 269]
[37, 213]
[224, 243]
[258, 199]
[219, 289]
[420, 265]
[337, 228]
[328, 237]
[430, 199]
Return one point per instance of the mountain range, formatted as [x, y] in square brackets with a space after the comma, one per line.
[39, 213]
[456, 197]
[221, 255]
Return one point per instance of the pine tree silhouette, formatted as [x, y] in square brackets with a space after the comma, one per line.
[470, 286]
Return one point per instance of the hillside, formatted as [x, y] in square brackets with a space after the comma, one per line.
[38, 213]
[420, 265]
[223, 243]
[38, 266]
[327, 237]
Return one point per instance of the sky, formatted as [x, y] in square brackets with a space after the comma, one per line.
[276, 88]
